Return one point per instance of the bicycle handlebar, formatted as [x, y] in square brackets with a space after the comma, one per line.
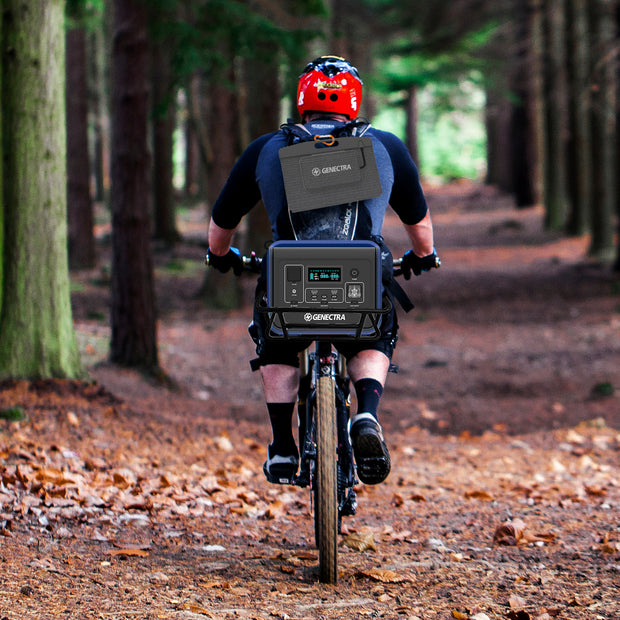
[253, 262]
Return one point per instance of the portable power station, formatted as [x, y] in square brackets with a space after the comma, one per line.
[324, 289]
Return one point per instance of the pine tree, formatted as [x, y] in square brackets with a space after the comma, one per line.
[36, 329]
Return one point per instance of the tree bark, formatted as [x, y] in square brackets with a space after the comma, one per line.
[163, 128]
[498, 124]
[602, 244]
[581, 150]
[520, 125]
[99, 120]
[556, 199]
[134, 341]
[221, 290]
[263, 87]
[79, 204]
[1, 168]
[538, 104]
[412, 123]
[36, 326]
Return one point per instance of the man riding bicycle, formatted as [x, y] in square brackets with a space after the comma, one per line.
[329, 95]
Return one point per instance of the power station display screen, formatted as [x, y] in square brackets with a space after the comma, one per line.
[324, 274]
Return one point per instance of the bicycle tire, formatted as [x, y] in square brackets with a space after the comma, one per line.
[326, 481]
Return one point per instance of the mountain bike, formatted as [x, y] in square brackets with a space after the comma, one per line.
[326, 463]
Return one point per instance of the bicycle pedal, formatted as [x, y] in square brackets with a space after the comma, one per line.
[277, 479]
[349, 508]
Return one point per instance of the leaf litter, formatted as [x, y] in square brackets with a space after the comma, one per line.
[131, 501]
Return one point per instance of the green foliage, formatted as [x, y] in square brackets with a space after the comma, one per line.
[451, 131]
[449, 79]
[13, 414]
[603, 389]
[207, 36]
[86, 14]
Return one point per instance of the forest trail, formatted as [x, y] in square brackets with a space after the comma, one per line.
[124, 499]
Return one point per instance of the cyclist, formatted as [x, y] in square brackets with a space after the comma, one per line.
[329, 95]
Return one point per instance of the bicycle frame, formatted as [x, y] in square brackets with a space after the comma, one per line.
[325, 362]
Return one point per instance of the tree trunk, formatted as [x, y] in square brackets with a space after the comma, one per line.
[498, 119]
[79, 204]
[581, 150]
[412, 124]
[95, 52]
[163, 127]
[263, 87]
[38, 339]
[221, 290]
[538, 104]
[520, 130]
[194, 168]
[1, 168]
[556, 200]
[134, 341]
[604, 204]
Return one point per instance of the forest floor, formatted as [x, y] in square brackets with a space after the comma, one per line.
[121, 498]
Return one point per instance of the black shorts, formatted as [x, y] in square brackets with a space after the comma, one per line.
[272, 351]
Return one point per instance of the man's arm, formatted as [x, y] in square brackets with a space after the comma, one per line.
[421, 235]
[219, 238]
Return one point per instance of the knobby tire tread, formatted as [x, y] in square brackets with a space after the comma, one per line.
[326, 509]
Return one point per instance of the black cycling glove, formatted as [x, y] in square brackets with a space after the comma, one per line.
[231, 260]
[416, 264]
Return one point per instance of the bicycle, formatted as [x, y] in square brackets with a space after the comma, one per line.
[326, 463]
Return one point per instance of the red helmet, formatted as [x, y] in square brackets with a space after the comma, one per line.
[329, 84]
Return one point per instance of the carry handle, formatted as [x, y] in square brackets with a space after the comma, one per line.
[326, 139]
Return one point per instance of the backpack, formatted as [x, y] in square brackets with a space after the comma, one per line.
[327, 178]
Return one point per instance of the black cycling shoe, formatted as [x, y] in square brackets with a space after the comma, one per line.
[371, 454]
[280, 469]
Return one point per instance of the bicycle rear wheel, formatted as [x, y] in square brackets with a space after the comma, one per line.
[326, 481]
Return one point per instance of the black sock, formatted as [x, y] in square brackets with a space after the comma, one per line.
[368, 393]
[280, 416]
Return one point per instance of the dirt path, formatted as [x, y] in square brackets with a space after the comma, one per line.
[122, 499]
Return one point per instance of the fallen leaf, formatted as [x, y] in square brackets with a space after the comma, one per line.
[360, 541]
[55, 476]
[595, 491]
[459, 615]
[509, 533]
[397, 500]
[516, 602]
[197, 609]
[383, 575]
[483, 495]
[223, 443]
[609, 546]
[142, 553]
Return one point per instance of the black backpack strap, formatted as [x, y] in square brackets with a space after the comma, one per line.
[295, 133]
[357, 128]
[391, 286]
[398, 292]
